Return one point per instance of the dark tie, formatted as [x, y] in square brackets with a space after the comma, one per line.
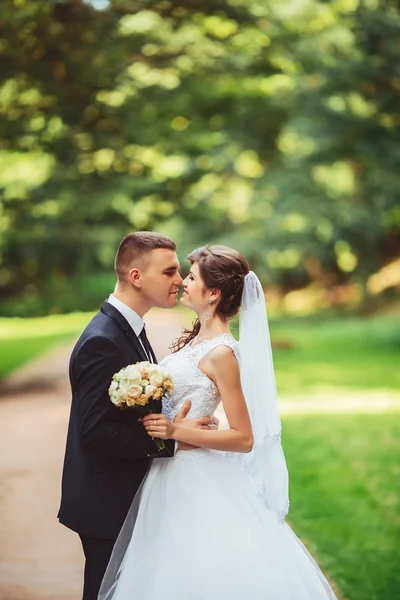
[146, 345]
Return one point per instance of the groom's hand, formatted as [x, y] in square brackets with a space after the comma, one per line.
[214, 423]
[202, 423]
[181, 415]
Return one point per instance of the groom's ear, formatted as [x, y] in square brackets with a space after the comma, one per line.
[135, 277]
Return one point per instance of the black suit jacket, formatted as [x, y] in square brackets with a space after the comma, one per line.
[108, 452]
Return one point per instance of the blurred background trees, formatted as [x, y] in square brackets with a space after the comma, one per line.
[267, 125]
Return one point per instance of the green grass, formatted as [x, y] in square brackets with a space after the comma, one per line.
[362, 353]
[15, 353]
[23, 339]
[345, 498]
[313, 354]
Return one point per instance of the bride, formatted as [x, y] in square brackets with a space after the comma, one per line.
[209, 524]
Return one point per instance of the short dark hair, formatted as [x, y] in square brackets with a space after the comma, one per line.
[136, 245]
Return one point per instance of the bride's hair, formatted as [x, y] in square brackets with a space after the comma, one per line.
[221, 268]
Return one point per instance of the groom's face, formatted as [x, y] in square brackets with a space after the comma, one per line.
[160, 278]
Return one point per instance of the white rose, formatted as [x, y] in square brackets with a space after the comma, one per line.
[150, 389]
[115, 399]
[122, 394]
[156, 379]
[145, 382]
[133, 375]
[113, 387]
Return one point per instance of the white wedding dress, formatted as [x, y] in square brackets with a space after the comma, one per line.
[197, 529]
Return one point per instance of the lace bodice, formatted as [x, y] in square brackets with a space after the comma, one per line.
[192, 384]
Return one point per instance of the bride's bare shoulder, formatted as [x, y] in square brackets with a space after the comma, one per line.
[221, 359]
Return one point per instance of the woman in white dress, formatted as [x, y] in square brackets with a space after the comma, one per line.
[209, 524]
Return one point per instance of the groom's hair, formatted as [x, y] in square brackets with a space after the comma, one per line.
[135, 246]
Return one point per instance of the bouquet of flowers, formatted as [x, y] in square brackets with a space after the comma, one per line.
[141, 386]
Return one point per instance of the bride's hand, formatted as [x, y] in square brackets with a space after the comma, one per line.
[158, 426]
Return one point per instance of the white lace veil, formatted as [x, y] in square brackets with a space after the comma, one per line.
[265, 464]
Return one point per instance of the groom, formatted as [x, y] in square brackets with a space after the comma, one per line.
[108, 451]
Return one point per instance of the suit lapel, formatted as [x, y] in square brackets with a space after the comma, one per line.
[114, 314]
[153, 355]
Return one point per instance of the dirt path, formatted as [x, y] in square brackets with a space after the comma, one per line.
[40, 559]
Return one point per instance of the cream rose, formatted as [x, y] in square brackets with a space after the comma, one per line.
[168, 385]
[135, 391]
[156, 379]
[143, 370]
[142, 401]
[159, 393]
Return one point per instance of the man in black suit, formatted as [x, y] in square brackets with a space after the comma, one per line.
[108, 452]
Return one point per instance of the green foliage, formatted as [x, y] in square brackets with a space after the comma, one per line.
[269, 126]
[345, 494]
[61, 294]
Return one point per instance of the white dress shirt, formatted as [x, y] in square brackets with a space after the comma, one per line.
[134, 320]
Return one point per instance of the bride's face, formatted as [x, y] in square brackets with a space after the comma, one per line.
[194, 291]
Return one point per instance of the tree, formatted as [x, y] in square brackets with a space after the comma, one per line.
[270, 126]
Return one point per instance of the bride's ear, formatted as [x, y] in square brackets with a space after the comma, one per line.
[215, 296]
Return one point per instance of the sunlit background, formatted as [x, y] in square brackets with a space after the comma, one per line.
[272, 126]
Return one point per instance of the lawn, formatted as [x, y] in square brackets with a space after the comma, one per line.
[345, 498]
[316, 355]
[23, 339]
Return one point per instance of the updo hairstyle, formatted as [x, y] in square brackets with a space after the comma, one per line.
[224, 269]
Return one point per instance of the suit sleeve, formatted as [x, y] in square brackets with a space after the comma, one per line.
[94, 366]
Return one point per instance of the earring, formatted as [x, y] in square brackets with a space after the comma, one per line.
[207, 315]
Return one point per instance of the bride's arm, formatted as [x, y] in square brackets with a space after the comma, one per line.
[221, 366]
